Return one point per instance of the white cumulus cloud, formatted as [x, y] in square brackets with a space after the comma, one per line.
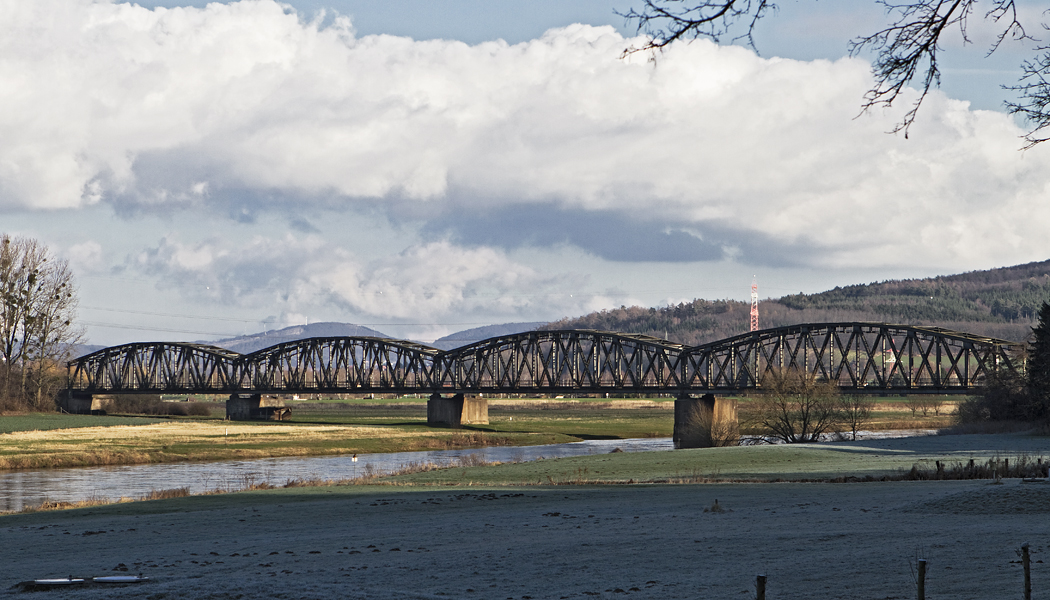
[425, 284]
[178, 108]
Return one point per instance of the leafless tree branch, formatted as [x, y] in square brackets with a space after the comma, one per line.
[666, 21]
[1034, 98]
[906, 52]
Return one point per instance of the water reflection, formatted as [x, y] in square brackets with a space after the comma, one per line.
[19, 489]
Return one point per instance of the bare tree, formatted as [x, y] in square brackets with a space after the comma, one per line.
[796, 407]
[50, 328]
[855, 412]
[38, 303]
[906, 51]
[20, 259]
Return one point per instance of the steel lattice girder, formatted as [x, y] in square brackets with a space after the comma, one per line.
[859, 356]
[155, 367]
[554, 361]
[339, 364]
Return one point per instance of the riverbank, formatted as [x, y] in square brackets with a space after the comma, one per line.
[187, 440]
[872, 459]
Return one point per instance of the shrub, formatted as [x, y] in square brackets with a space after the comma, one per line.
[151, 404]
[855, 412]
[198, 409]
[1003, 397]
[798, 408]
[179, 492]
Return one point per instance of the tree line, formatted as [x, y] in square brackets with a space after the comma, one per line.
[38, 305]
[1017, 396]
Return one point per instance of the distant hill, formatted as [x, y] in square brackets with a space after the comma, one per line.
[469, 336]
[999, 303]
[84, 349]
[250, 343]
[246, 344]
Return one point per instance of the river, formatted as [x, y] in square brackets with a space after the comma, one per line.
[20, 489]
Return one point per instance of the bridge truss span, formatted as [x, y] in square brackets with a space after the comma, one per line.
[859, 357]
[155, 367]
[339, 364]
[563, 361]
[871, 357]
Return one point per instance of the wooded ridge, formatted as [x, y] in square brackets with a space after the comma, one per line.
[1001, 303]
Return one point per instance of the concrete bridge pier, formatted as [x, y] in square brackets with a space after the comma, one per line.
[248, 407]
[705, 422]
[457, 410]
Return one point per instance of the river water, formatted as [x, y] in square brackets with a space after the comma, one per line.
[20, 489]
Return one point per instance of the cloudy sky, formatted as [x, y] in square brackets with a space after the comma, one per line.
[426, 166]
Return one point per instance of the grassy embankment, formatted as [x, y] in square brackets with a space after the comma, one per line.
[872, 459]
[346, 427]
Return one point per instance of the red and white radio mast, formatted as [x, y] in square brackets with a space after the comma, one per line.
[754, 304]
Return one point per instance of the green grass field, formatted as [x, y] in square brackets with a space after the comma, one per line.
[51, 421]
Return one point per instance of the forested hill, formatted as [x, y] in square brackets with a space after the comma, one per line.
[999, 303]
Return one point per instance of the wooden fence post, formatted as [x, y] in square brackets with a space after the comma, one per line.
[921, 583]
[1027, 562]
[760, 587]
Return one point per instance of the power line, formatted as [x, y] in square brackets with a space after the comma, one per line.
[157, 314]
[164, 329]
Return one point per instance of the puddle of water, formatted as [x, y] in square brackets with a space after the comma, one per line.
[19, 489]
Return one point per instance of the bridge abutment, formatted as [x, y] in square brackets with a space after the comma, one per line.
[80, 403]
[457, 410]
[705, 422]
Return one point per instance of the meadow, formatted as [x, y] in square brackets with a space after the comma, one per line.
[577, 528]
[49, 421]
[683, 523]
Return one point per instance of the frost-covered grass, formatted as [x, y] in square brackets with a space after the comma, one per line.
[784, 462]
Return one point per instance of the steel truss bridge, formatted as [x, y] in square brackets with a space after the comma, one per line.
[860, 357]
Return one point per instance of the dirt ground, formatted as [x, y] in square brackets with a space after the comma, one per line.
[854, 540]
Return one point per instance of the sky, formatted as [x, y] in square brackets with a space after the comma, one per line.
[423, 167]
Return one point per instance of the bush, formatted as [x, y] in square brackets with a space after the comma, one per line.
[198, 409]
[798, 408]
[1003, 397]
[151, 404]
[855, 412]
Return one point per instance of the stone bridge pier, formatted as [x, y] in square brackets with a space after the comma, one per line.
[248, 407]
[457, 410]
[705, 422]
